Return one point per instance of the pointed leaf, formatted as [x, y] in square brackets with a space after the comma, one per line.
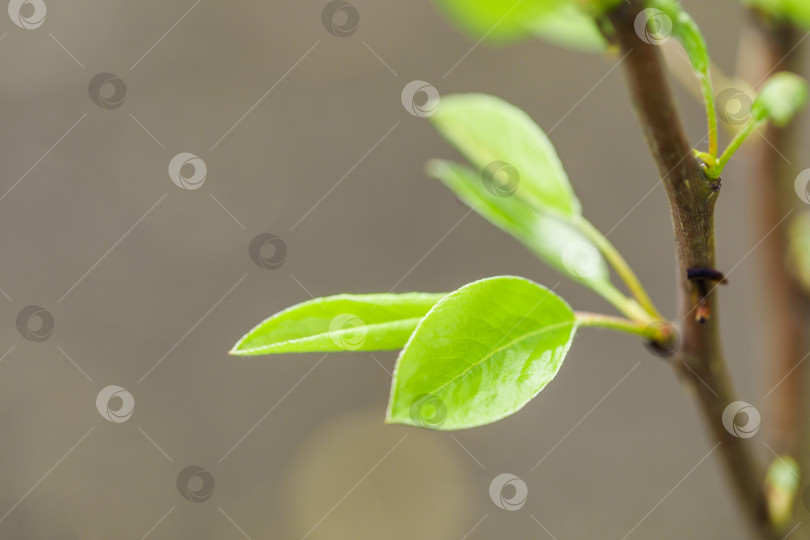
[488, 130]
[781, 97]
[481, 354]
[364, 322]
[551, 238]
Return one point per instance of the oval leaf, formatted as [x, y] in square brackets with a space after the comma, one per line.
[495, 20]
[571, 27]
[794, 11]
[781, 97]
[354, 322]
[488, 130]
[568, 23]
[552, 239]
[481, 354]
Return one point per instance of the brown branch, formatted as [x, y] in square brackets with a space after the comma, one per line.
[692, 197]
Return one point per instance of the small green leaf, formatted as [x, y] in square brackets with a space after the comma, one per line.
[570, 27]
[488, 130]
[551, 238]
[781, 97]
[480, 354]
[569, 23]
[496, 20]
[686, 31]
[356, 322]
[794, 11]
[781, 486]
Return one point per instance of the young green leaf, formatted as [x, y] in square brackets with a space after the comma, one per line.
[551, 238]
[569, 26]
[364, 322]
[488, 130]
[480, 354]
[562, 22]
[686, 31]
[781, 97]
[794, 11]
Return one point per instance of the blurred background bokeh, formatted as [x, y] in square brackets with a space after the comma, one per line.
[304, 136]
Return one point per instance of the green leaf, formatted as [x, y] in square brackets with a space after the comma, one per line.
[551, 238]
[794, 11]
[480, 354]
[357, 322]
[781, 97]
[781, 487]
[496, 20]
[489, 130]
[568, 23]
[570, 27]
[686, 31]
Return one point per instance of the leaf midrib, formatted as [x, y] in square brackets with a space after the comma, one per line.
[523, 337]
[315, 337]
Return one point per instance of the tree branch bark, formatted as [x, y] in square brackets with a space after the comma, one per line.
[692, 196]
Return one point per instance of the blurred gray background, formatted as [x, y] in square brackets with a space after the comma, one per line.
[149, 285]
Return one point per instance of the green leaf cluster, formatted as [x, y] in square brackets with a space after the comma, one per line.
[482, 352]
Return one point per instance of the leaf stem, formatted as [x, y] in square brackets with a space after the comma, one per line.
[711, 111]
[620, 265]
[599, 320]
[739, 138]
